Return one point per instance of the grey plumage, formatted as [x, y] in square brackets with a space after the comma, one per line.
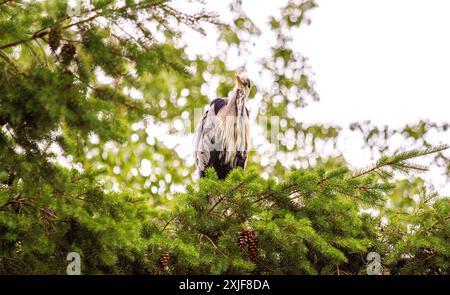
[222, 137]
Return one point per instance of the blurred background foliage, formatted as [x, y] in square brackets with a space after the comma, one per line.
[163, 139]
[285, 83]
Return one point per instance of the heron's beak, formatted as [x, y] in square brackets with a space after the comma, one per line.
[239, 82]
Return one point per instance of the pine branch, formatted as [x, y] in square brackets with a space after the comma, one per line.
[399, 162]
[5, 2]
[328, 176]
[40, 33]
[288, 187]
[189, 20]
[170, 221]
[226, 196]
[5, 57]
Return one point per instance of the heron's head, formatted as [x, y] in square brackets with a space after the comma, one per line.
[243, 84]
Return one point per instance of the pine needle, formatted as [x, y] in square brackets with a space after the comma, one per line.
[399, 162]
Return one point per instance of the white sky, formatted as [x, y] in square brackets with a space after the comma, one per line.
[387, 61]
[383, 60]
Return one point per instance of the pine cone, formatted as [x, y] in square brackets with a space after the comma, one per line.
[242, 240]
[54, 39]
[253, 247]
[164, 261]
[67, 53]
[248, 238]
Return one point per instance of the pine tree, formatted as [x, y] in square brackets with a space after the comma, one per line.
[52, 103]
[310, 223]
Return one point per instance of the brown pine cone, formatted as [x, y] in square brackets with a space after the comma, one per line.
[54, 39]
[253, 247]
[248, 238]
[164, 261]
[243, 239]
[67, 53]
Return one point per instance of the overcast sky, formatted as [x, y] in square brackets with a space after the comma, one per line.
[384, 60]
[387, 61]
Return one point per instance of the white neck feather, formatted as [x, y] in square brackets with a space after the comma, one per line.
[233, 130]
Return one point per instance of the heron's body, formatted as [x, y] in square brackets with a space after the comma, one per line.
[222, 137]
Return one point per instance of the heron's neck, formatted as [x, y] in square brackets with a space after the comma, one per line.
[234, 129]
[237, 102]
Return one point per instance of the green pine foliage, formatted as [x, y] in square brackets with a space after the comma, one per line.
[66, 159]
[310, 223]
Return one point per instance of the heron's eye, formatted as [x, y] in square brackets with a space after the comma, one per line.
[248, 83]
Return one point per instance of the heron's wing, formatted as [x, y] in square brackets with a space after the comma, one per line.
[205, 134]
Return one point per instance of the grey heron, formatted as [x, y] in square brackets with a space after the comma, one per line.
[222, 136]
